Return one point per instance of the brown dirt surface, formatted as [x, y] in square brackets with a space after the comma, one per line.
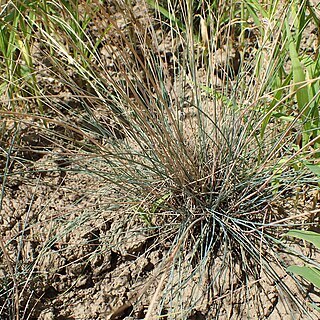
[81, 258]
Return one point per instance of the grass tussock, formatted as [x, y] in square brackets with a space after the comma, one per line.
[204, 114]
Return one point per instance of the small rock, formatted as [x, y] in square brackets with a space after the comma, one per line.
[47, 314]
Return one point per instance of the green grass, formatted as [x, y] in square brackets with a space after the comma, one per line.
[16, 43]
[310, 272]
[202, 149]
